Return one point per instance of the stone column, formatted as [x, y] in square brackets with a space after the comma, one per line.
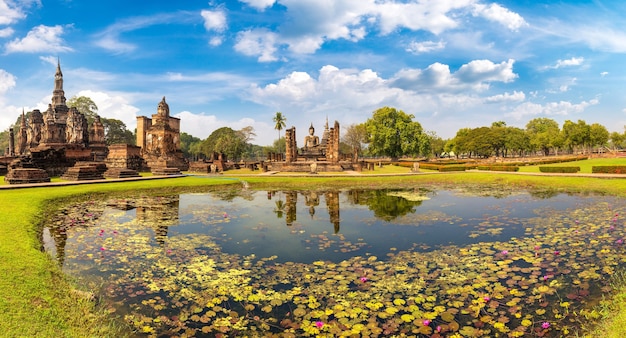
[11, 142]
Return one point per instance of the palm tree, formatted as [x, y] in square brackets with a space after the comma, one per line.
[280, 120]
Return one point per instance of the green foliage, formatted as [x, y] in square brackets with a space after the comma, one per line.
[190, 145]
[544, 134]
[570, 169]
[280, 122]
[84, 105]
[4, 140]
[355, 137]
[609, 169]
[225, 140]
[383, 203]
[393, 133]
[498, 167]
[115, 132]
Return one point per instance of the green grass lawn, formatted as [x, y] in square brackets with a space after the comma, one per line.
[35, 297]
[585, 165]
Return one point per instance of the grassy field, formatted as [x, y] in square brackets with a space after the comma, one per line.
[585, 165]
[36, 299]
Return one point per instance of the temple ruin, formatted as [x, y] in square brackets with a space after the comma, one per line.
[60, 142]
[159, 139]
[316, 154]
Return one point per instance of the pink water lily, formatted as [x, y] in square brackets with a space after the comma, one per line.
[319, 324]
[426, 322]
[363, 279]
[545, 325]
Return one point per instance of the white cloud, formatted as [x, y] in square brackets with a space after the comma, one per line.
[40, 39]
[569, 62]
[258, 42]
[485, 71]
[113, 106]
[432, 16]
[496, 13]
[308, 24]
[6, 32]
[603, 74]
[425, 47]
[202, 125]
[565, 108]
[506, 97]
[109, 38]
[9, 13]
[7, 81]
[214, 20]
[259, 4]
[474, 75]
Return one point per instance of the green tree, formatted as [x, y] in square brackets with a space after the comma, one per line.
[575, 135]
[355, 137]
[497, 135]
[84, 105]
[187, 145]
[437, 144]
[517, 140]
[225, 140]
[544, 134]
[280, 122]
[598, 135]
[393, 133]
[617, 140]
[115, 132]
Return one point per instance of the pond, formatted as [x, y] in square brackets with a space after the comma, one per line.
[418, 262]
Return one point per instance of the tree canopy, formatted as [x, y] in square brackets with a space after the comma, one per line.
[225, 140]
[84, 105]
[393, 133]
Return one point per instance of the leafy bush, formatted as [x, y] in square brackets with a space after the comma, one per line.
[429, 166]
[498, 167]
[570, 169]
[452, 168]
[609, 169]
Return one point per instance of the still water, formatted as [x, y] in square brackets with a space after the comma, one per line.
[169, 265]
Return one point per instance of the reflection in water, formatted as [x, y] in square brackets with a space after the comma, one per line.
[202, 265]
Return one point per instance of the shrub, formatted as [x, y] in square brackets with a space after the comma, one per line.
[452, 168]
[498, 167]
[609, 169]
[429, 166]
[570, 169]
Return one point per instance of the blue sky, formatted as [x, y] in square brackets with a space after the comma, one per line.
[451, 63]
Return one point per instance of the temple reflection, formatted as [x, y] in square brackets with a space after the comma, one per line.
[311, 200]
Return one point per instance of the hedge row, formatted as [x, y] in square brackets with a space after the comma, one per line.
[609, 169]
[570, 169]
[498, 167]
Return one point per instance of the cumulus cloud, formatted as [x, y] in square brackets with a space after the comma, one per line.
[40, 39]
[530, 109]
[259, 4]
[425, 47]
[496, 13]
[257, 42]
[506, 97]
[575, 61]
[214, 20]
[308, 24]
[6, 32]
[7, 81]
[114, 106]
[474, 75]
[432, 16]
[202, 125]
[10, 12]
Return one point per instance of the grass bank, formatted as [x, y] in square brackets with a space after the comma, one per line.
[35, 297]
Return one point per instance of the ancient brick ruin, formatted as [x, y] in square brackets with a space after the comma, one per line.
[60, 142]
